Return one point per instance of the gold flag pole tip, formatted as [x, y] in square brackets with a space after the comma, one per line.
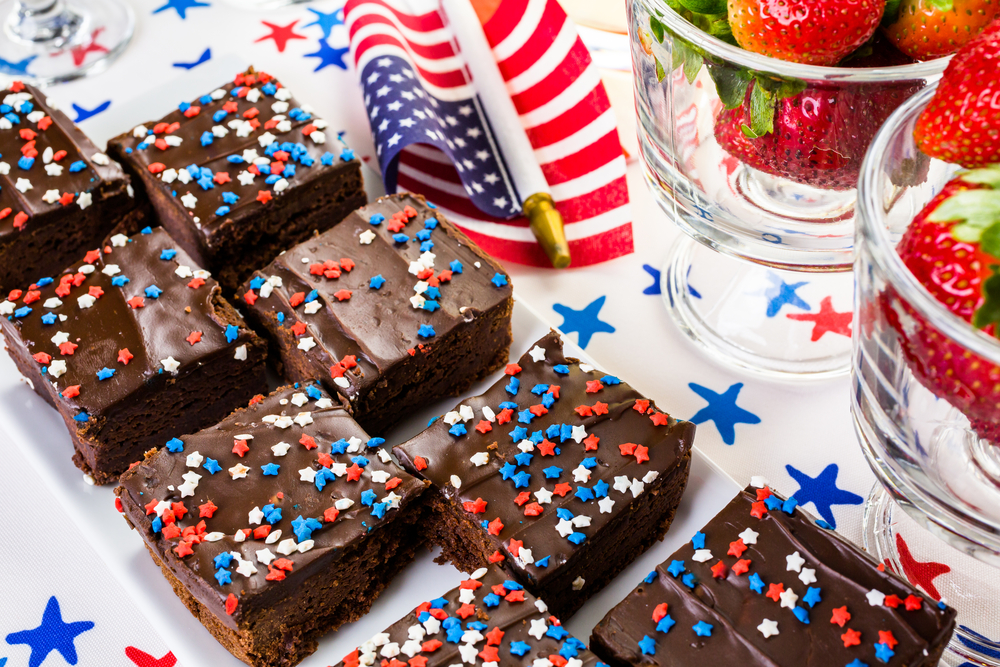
[547, 226]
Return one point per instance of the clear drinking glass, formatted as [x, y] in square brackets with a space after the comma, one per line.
[784, 201]
[48, 41]
[925, 386]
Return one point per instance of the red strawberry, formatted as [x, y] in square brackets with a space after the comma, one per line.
[927, 29]
[819, 136]
[952, 249]
[814, 32]
[962, 122]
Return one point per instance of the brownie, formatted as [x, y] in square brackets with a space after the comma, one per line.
[393, 308]
[489, 619]
[562, 473]
[58, 193]
[133, 345]
[242, 173]
[277, 525]
[763, 584]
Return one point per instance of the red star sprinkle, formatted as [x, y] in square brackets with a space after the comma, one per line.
[594, 386]
[774, 591]
[562, 489]
[763, 494]
[659, 612]
[222, 177]
[547, 448]
[514, 547]
[296, 299]
[627, 449]
[641, 454]
[231, 603]
[736, 548]
[151, 506]
[260, 532]
[66, 199]
[330, 514]
[477, 506]
[504, 416]
[741, 566]
[42, 357]
[124, 356]
[719, 570]
[590, 443]
[584, 410]
[196, 283]
[533, 509]
[495, 526]
[20, 219]
[841, 616]
[193, 337]
[347, 263]
[490, 654]
[354, 473]
[640, 406]
[308, 441]
[885, 637]
[515, 596]
[658, 418]
[912, 603]
[512, 369]
[484, 426]
[892, 601]
[538, 410]
[470, 585]
[183, 549]
[600, 408]
[465, 611]
[342, 295]
[264, 196]
[67, 348]
[851, 638]
[298, 328]
[207, 509]
[136, 302]
[431, 646]
[393, 483]
[496, 556]
[240, 447]
[758, 510]
[71, 391]
[494, 636]
[827, 320]
[420, 463]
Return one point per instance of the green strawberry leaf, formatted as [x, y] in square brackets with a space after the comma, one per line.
[989, 312]
[656, 28]
[660, 73]
[731, 84]
[989, 241]
[686, 55]
[975, 210]
[986, 176]
[891, 12]
[762, 105]
[705, 6]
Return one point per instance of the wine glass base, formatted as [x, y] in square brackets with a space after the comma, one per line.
[787, 325]
[895, 539]
[85, 40]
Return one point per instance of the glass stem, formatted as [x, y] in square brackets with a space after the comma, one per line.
[43, 21]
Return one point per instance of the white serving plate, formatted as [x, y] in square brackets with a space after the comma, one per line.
[39, 434]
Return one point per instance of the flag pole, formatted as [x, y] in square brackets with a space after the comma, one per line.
[538, 205]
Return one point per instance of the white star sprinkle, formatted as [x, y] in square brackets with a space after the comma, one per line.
[749, 536]
[702, 556]
[788, 598]
[256, 516]
[366, 237]
[768, 628]
[807, 576]
[538, 628]
[794, 562]
[875, 598]
[189, 200]
[245, 178]
[239, 471]
[307, 475]
[543, 496]
[606, 505]
[170, 364]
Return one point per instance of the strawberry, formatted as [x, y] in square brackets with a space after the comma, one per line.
[926, 29]
[961, 124]
[813, 32]
[816, 137]
[952, 248]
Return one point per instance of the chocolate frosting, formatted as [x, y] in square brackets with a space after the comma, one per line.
[510, 620]
[86, 335]
[215, 138]
[607, 443]
[841, 575]
[381, 326]
[317, 433]
[28, 122]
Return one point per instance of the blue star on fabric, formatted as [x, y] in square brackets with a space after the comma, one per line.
[205, 56]
[53, 634]
[723, 411]
[822, 491]
[83, 114]
[783, 294]
[181, 6]
[655, 275]
[326, 21]
[18, 68]
[329, 55]
[585, 322]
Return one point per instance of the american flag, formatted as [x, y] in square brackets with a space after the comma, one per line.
[432, 136]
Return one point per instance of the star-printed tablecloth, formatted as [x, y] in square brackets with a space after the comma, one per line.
[800, 437]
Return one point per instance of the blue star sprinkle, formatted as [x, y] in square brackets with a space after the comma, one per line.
[665, 624]
[585, 322]
[822, 491]
[723, 411]
[702, 629]
[53, 634]
[647, 645]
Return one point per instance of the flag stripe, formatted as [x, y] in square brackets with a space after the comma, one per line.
[570, 122]
[553, 84]
[584, 137]
[530, 16]
[572, 167]
[550, 61]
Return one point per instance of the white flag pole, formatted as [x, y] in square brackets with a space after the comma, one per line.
[538, 206]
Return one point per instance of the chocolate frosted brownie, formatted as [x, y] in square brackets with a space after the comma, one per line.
[277, 525]
[133, 345]
[559, 471]
[762, 584]
[242, 173]
[488, 620]
[58, 193]
[392, 309]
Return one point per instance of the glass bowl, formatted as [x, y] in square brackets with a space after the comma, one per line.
[925, 384]
[784, 199]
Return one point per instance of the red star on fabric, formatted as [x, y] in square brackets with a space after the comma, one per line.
[143, 659]
[281, 34]
[827, 320]
[80, 53]
[920, 574]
